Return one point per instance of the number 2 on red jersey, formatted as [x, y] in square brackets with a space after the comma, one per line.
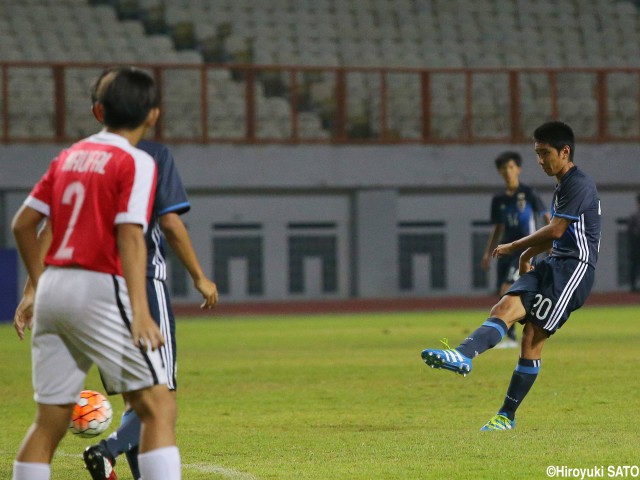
[74, 195]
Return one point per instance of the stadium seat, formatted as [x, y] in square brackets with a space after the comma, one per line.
[375, 33]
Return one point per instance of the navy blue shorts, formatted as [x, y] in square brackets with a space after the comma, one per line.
[552, 290]
[160, 307]
[508, 269]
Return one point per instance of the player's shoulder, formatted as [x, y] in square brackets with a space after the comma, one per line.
[159, 152]
[578, 186]
[116, 144]
[578, 177]
[584, 176]
[141, 158]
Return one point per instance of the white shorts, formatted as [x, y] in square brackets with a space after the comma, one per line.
[83, 317]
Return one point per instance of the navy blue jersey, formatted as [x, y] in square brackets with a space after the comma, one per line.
[576, 198]
[517, 212]
[170, 198]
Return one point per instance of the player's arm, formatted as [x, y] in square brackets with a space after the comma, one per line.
[178, 237]
[133, 255]
[549, 245]
[539, 239]
[25, 230]
[24, 313]
[524, 263]
[492, 243]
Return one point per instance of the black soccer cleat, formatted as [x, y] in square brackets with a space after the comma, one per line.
[99, 461]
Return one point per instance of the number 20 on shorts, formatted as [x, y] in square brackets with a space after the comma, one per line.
[541, 307]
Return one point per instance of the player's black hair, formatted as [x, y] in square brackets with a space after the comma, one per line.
[504, 157]
[638, 198]
[557, 134]
[127, 94]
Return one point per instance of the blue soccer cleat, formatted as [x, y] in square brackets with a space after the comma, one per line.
[499, 422]
[448, 359]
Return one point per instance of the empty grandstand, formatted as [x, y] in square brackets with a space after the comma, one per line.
[329, 70]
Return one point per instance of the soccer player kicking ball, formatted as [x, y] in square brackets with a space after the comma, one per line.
[91, 303]
[543, 297]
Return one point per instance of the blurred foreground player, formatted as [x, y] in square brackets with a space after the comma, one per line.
[513, 215]
[170, 202]
[91, 304]
[543, 297]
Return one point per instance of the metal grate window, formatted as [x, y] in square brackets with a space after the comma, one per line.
[234, 242]
[423, 243]
[313, 262]
[304, 247]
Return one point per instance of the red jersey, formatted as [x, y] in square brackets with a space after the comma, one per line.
[89, 188]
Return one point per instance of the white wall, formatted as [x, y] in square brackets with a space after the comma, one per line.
[275, 186]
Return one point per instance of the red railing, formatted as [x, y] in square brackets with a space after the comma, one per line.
[45, 102]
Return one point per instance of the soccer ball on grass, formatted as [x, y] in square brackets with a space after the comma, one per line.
[92, 414]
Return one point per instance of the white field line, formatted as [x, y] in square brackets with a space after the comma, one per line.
[225, 472]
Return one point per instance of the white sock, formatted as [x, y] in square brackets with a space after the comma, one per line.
[160, 464]
[31, 471]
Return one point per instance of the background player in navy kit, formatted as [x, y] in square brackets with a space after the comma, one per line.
[543, 297]
[513, 215]
[170, 202]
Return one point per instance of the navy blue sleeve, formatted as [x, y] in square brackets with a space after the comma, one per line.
[171, 196]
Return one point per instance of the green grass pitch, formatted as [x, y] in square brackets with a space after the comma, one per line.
[347, 397]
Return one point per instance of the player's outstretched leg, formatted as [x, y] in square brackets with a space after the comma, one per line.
[458, 359]
[510, 340]
[101, 458]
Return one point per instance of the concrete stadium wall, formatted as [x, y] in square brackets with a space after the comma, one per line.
[314, 222]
